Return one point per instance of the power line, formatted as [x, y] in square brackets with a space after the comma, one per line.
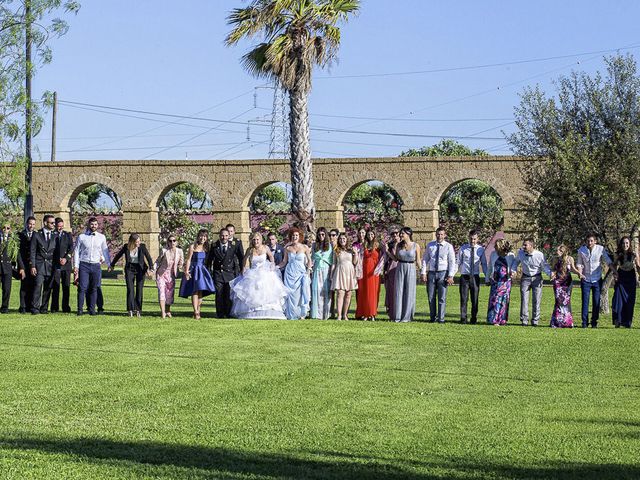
[381, 119]
[481, 66]
[194, 136]
[232, 121]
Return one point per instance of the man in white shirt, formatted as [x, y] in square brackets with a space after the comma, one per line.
[533, 264]
[470, 259]
[438, 269]
[589, 262]
[89, 253]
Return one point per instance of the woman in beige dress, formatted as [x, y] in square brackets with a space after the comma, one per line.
[343, 274]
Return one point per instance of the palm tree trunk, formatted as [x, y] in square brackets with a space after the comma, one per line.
[302, 204]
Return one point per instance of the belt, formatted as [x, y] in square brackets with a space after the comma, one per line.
[438, 271]
[532, 276]
[406, 261]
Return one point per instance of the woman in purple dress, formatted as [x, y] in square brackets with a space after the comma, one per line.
[499, 275]
[197, 282]
[561, 278]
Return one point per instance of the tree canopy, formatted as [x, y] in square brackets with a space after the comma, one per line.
[445, 148]
[584, 145]
[42, 25]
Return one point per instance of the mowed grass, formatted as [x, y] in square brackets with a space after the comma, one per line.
[120, 398]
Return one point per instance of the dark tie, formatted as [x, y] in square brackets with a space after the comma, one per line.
[437, 256]
[224, 249]
[47, 236]
[29, 235]
[473, 260]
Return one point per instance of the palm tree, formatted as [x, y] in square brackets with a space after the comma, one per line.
[297, 34]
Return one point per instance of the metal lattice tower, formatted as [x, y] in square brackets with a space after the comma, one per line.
[279, 145]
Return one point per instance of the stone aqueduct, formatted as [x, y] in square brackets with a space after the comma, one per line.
[231, 185]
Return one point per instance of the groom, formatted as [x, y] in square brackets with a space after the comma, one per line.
[223, 262]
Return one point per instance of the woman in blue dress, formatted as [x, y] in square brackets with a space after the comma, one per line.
[197, 282]
[297, 260]
[499, 275]
[624, 296]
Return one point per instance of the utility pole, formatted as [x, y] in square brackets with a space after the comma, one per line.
[28, 203]
[279, 144]
[54, 114]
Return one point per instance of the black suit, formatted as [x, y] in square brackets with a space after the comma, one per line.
[225, 267]
[42, 253]
[134, 274]
[6, 271]
[62, 273]
[27, 284]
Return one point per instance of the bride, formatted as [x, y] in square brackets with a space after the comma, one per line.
[259, 291]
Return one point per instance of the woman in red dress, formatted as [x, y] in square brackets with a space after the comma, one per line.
[369, 284]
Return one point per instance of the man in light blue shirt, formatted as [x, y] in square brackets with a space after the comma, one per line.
[533, 264]
[89, 253]
[438, 269]
[589, 262]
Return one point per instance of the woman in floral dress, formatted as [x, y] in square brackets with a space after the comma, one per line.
[500, 271]
[561, 278]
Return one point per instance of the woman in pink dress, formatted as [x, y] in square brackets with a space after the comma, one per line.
[166, 267]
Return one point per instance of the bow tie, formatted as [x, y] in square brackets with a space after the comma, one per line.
[92, 234]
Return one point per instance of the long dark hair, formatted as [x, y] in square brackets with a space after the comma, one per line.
[324, 244]
[131, 244]
[409, 232]
[622, 254]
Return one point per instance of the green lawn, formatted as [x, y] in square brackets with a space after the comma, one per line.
[114, 397]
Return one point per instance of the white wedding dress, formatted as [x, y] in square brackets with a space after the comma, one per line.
[259, 291]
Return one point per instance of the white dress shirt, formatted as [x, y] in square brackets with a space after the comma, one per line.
[464, 260]
[510, 258]
[590, 262]
[91, 248]
[532, 263]
[446, 260]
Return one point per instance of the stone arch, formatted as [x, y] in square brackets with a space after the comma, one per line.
[392, 214]
[271, 218]
[162, 186]
[401, 189]
[435, 196]
[252, 190]
[68, 192]
[460, 216]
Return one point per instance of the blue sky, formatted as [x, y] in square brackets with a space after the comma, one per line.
[169, 57]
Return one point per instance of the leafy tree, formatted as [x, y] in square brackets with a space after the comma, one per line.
[373, 204]
[297, 34]
[272, 198]
[471, 204]
[186, 196]
[585, 149]
[14, 24]
[88, 199]
[445, 148]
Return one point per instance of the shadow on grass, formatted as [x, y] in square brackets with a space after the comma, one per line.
[186, 461]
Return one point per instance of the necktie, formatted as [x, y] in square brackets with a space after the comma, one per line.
[473, 260]
[224, 249]
[437, 256]
[29, 235]
[46, 235]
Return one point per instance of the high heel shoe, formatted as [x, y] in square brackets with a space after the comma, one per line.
[131, 313]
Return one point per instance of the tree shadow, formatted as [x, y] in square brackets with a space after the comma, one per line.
[192, 461]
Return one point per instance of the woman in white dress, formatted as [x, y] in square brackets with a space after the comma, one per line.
[258, 292]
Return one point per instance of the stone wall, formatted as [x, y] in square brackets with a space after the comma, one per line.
[419, 181]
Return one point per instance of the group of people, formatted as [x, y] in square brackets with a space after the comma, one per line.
[315, 279]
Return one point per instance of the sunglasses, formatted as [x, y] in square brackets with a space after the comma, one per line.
[333, 235]
[172, 240]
